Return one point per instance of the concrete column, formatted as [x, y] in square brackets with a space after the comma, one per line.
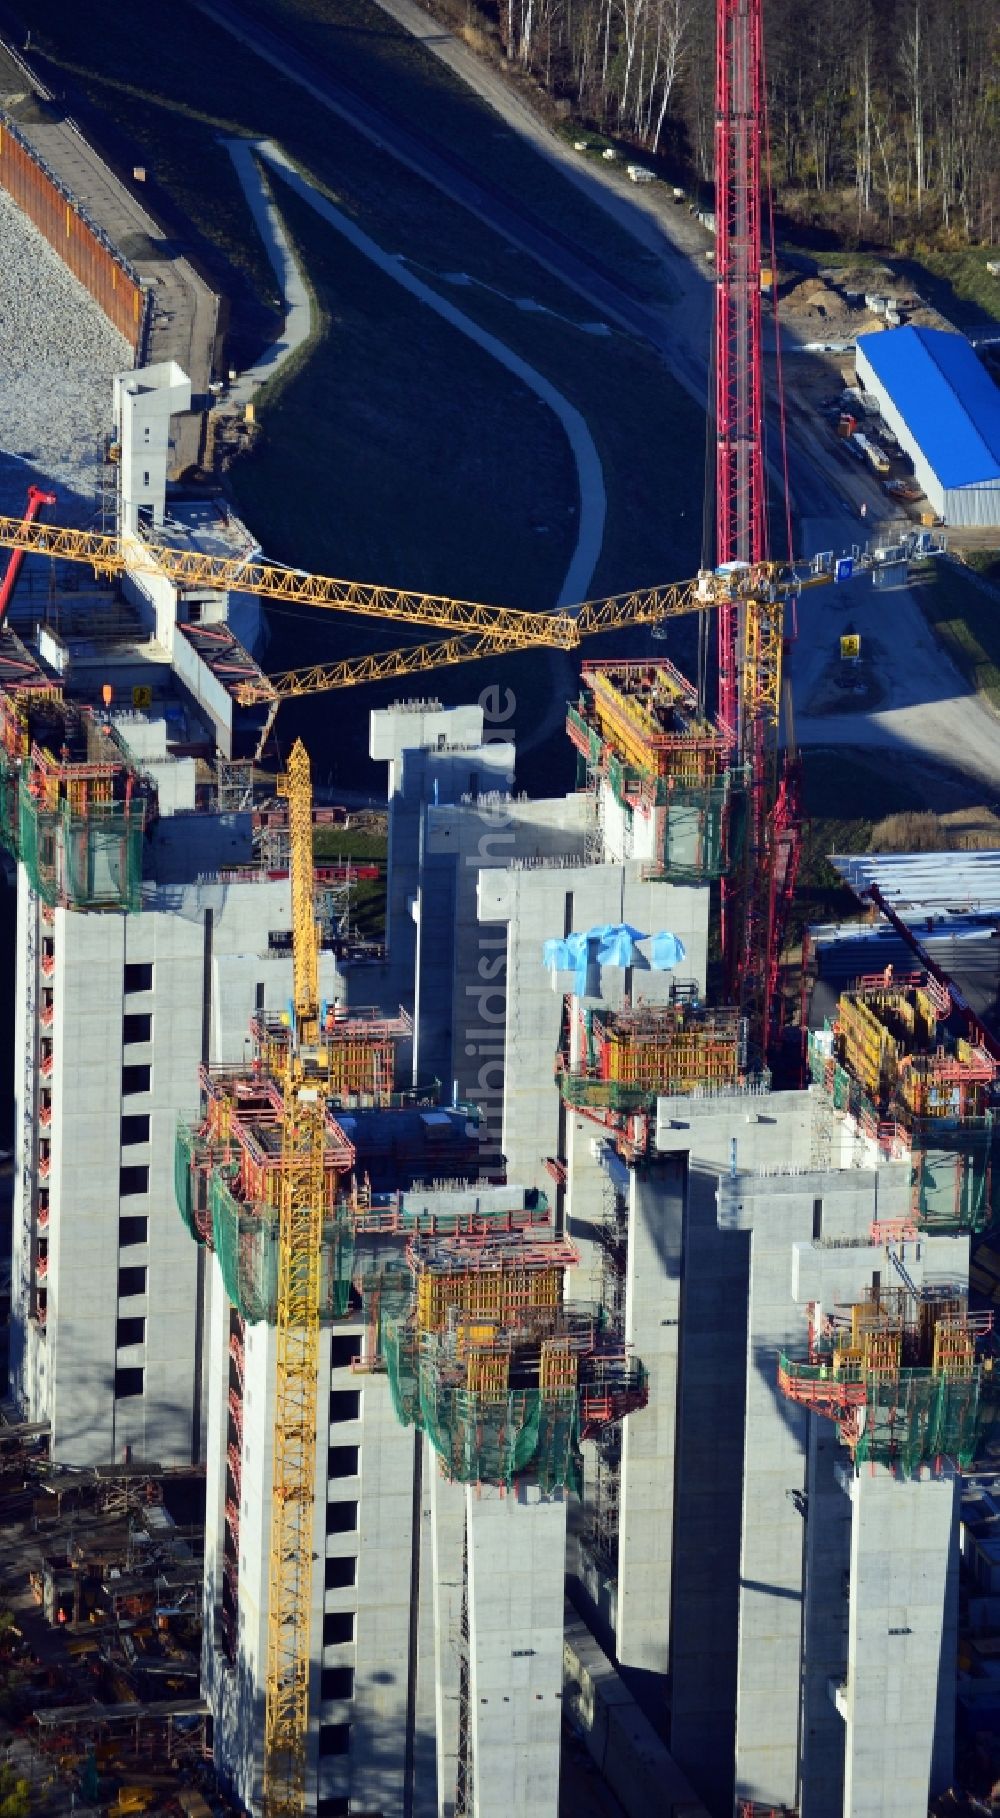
[516, 1556]
[708, 1502]
[772, 1542]
[898, 1702]
[448, 1529]
[649, 1438]
[828, 1561]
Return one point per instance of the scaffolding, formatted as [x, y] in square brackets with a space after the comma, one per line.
[623, 1060]
[907, 1377]
[888, 1063]
[227, 1172]
[356, 1052]
[72, 808]
[500, 1373]
[639, 731]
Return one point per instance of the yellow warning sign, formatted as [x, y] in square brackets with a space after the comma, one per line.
[850, 647]
[142, 696]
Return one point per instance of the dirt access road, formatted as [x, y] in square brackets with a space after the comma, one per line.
[916, 706]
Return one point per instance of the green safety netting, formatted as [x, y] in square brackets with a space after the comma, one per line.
[908, 1418]
[81, 861]
[951, 1173]
[704, 824]
[9, 811]
[482, 1438]
[386, 1288]
[184, 1178]
[245, 1240]
[951, 1158]
[920, 1415]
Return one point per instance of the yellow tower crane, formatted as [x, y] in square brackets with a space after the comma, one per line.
[300, 1226]
[475, 630]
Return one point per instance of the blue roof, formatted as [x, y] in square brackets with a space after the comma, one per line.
[945, 397]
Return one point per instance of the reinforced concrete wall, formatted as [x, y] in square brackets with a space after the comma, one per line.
[898, 1703]
[82, 247]
[516, 1561]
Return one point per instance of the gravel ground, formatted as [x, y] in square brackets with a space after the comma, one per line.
[58, 355]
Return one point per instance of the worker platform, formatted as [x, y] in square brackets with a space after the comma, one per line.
[893, 1066]
[670, 789]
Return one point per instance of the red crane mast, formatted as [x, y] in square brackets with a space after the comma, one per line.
[751, 910]
[741, 517]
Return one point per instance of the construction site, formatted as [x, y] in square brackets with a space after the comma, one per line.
[541, 1359]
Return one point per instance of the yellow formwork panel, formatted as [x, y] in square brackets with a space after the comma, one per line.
[487, 1373]
[954, 1348]
[882, 1352]
[501, 1295]
[687, 1059]
[558, 1367]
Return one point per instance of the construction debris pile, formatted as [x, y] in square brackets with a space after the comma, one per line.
[100, 1632]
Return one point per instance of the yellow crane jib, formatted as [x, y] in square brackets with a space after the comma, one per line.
[108, 555]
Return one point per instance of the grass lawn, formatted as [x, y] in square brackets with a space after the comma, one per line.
[169, 95]
[967, 621]
[369, 53]
[479, 501]
[396, 451]
[331, 845]
[829, 779]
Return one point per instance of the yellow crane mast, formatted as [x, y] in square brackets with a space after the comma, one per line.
[300, 1223]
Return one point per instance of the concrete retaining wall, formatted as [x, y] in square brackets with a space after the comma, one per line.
[83, 248]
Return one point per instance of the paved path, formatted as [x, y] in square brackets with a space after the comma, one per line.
[185, 310]
[291, 282]
[590, 476]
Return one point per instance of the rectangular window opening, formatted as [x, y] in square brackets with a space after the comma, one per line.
[131, 1280]
[338, 1627]
[133, 1179]
[344, 1348]
[128, 1382]
[130, 1331]
[135, 1079]
[341, 1573]
[345, 1404]
[334, 1738]
[341, 1517]
[133, 1230]
[342, 1461]
[139, 976]
[336, 1682]
[136, 1027]
[135, 1130]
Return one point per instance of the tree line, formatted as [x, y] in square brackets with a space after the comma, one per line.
[884, 111]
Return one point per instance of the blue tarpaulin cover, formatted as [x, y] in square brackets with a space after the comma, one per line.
[613, 944]
[666, 952]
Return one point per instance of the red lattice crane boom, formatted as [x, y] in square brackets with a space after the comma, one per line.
[36, 499]
[741, 519]
[753, 910]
